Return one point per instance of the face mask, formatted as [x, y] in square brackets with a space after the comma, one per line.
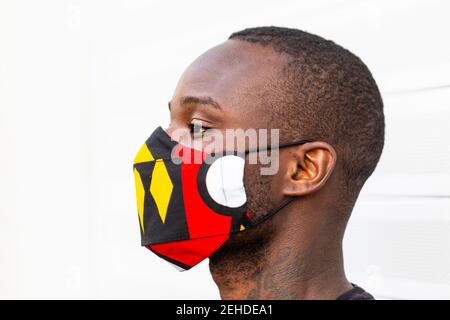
[187, 209]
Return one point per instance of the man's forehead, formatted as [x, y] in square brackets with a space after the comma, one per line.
[237, 54]
[230, 70]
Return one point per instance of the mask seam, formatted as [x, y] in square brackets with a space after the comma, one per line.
[179, 238]
[156, 160]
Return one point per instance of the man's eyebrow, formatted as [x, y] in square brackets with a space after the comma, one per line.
[206, 100]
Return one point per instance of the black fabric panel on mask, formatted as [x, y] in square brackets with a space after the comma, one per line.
[160, 144]
[174, 226]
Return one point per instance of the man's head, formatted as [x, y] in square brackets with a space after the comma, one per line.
[309, 88]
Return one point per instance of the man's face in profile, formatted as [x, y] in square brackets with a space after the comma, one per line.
[217, 93]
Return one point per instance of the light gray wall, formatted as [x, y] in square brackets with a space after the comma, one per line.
[83, 83]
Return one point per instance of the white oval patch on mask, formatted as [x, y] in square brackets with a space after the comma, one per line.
[224, 181]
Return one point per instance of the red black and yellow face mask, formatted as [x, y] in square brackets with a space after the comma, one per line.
[187, 209]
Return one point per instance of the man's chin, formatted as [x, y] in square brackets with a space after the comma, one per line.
[248, 245]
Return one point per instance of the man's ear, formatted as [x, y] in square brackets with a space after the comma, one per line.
[308, 168]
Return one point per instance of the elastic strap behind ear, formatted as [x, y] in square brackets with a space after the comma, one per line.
[248, 223]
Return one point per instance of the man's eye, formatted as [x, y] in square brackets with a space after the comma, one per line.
[197, 129]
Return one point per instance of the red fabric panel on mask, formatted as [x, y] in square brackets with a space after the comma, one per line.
[201, 220]
[208, 230]
[190, 252]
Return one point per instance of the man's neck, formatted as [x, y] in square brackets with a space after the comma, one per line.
[280, 270]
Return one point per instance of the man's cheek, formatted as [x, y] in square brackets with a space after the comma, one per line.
[257, 188]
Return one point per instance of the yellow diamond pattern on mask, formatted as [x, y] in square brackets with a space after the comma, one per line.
[140, 192]
[143, 155]
[161, 188]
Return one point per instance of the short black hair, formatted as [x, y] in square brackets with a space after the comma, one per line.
[329, 94]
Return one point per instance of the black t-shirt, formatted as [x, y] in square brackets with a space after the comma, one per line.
[356, 293]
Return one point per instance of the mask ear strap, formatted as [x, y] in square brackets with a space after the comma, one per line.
[293, 143]
[248, 223]
[284, 145]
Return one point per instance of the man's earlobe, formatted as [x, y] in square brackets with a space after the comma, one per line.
[309, 167]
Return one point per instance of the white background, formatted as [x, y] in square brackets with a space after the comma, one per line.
[83, 84]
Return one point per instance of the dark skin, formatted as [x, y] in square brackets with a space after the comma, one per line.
[297, 254]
